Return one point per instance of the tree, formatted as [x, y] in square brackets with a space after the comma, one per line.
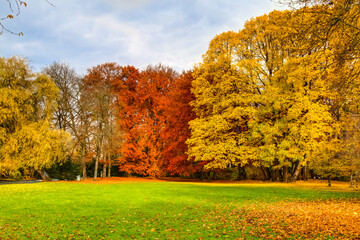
[338, 31]
[176, 117]
[255, 105]
[72, 111]
[141, 115]
[28, 140]
[99, 95]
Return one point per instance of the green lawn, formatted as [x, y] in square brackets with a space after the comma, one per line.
[141, 210]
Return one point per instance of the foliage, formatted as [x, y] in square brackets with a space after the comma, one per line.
[98, 91]
[176, 116]
[141, 95]
[275, 94]
[27, 101]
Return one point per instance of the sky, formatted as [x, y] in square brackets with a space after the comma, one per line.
[85, 33]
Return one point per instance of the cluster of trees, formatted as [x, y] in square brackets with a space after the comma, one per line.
[279, 97]
[282, 94]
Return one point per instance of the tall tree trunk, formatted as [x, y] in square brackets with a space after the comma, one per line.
[109, 169]
[296, 172]
[44, 176]
[96, 167]
[286, 174]
[98, 155]
[329, 182]
[83, 161]
[104, 169]
[97, 163]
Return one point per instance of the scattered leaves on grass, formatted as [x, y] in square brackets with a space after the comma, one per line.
[337, 219]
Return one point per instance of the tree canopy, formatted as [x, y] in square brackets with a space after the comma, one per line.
[28, 139]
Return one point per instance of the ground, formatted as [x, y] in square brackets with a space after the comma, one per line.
[139, 208]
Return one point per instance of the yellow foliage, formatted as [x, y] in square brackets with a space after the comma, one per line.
[275, 93]
[27, 101]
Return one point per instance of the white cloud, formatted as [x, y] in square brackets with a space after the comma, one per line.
[84, 33]
[128, 5]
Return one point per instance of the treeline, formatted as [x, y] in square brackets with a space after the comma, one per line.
[278, 100]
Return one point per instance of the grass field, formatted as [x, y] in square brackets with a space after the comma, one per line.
[176, 210]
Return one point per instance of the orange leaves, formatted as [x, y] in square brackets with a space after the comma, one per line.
[332, 218]
[177, 114]
[141, 112]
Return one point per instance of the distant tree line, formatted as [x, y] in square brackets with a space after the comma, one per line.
[278, 100]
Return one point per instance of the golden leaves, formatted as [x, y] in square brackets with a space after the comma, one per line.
[318, 219]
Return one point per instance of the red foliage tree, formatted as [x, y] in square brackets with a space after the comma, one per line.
[141, 114]
[177, 114]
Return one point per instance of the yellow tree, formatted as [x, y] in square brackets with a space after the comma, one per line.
[28, 140]
[336, 30]
[222, 111]
[261, 98]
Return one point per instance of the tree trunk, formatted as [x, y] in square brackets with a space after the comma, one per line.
[266, 172]
[277, 175]
[98, 155]
[329, 182]
[96, 167]
[104, 169]
[285, 174]
[83, 162]
[109, 169]
[44, 176]
[351, 180]
[296, 172]
[306, 173]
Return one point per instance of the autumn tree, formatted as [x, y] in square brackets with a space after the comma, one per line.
[28, 139]
[337, 30]
[99, 96]
[141, 113]
[261, 99]
[176, 117]
[72, 111]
